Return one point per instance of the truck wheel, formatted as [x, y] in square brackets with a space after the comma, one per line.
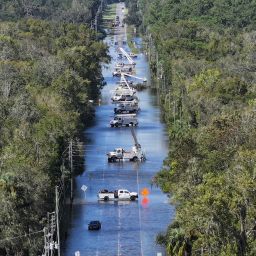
[112, 125]
[132, 198]
[131, 124]
[135, 159]
[113, 159]
[116, 125]
[106, 198]
[127, 125]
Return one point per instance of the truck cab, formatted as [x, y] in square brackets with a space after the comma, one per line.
[123, 194]
[116, 154]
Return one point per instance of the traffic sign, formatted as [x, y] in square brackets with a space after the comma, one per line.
[84, 188]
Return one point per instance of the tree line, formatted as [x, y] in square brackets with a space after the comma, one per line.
[203, 59]
[50, 70]
[72, 11]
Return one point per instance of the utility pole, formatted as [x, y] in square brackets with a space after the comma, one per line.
[49, 231]
[52, 224]
[57, 219]
[71, 169]
[46, 244]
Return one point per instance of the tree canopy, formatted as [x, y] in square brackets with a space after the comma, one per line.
[202, 57]
[50, 71]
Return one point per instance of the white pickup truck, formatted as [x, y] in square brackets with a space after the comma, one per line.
[124, 120]
[120, 194]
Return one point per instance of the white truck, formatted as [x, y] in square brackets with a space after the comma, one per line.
[120, 194]
[124, 92]
[135, 154]
[123, 97]
[124, 120]
[126, 108]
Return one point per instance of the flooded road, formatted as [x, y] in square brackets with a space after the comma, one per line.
[128, 228]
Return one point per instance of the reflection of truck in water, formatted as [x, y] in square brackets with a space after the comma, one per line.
[124, 120]
[120, 194]
[135, 154]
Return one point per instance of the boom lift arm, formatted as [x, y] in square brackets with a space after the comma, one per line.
[137, 145]
[127, 56]
[136, 77]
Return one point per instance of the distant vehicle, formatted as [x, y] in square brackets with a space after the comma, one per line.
[120, 194]
[94, 225]
[133, 55]
[124, 120]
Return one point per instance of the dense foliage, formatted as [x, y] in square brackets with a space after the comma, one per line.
[72, 11]
[49, 73]
[203, 57]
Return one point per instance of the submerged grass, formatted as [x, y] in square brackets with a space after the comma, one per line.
[109, 15]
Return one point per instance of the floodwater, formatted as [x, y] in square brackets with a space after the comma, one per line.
[128, 228]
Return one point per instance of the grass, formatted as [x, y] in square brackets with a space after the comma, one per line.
[130, 32]
[109, 15]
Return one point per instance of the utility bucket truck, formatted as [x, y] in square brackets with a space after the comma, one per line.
[124, 120]
[128, 57]
[135, 154]
[124, 87]
[124, 67]
[124, 97]
[126, 108]
[124, 92]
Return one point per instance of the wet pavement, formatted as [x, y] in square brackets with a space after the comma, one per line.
[128, 228]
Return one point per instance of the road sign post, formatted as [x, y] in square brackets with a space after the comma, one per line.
[84, 188]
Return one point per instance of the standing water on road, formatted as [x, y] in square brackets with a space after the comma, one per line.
[129, 228]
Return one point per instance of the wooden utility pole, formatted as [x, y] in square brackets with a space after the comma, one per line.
[57, 218]
[46, 246]
[71, 169]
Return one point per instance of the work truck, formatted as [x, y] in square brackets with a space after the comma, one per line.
[135, 154]
[119, 194]
[126, 108]
[124, 120]
[124, 97]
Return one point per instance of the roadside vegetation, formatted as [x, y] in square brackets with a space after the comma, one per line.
[203, 56]
[50, 69]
